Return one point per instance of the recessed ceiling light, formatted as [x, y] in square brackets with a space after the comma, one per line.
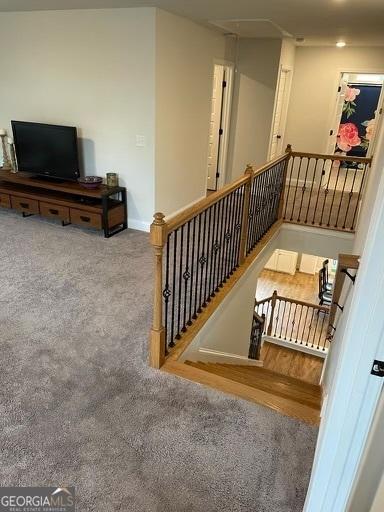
[340, 44]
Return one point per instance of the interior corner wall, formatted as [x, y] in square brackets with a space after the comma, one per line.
[185, 56]
[314, 89]
[253, 101]
[93, 69]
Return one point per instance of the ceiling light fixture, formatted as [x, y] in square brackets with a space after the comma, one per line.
[340, 44]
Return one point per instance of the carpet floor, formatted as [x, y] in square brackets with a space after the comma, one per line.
[79, 405]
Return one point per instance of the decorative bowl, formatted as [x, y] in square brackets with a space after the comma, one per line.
[90, 181]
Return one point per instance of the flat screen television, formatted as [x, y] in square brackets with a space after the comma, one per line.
[46, 150]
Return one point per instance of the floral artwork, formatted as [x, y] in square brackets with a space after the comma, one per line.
[348, 137]
[357, 125]
[349, 106]
[369, 132]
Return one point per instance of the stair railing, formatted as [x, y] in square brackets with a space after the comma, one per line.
[199, 249]
[325, 190]
[298, 322]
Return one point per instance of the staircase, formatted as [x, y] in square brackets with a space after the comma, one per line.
[282, 393]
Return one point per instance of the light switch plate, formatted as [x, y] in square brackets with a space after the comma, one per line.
[140, 141]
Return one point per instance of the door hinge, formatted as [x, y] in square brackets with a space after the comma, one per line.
[331, 132]
[217, 175]
[221, 131]
[224, 83]
[378, 368]
[380, 111]
[339, 88]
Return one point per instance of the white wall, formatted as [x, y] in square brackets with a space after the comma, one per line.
[93, 69]
[253, 102]
[185, 56]
[314, 89]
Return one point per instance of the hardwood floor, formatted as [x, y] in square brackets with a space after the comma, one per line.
[292, 363]
[299, 286]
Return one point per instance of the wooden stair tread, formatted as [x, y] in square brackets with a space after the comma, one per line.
[266, 380]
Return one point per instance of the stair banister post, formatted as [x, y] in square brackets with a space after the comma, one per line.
[245, 219]
[158, 236]
[282, 192]
[273, 305]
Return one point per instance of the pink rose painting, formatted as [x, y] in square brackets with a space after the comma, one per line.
[349, 100]
[348, 137]
[351, 93]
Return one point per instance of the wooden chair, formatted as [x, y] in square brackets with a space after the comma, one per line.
[325, 297]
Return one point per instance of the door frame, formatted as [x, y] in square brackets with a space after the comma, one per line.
[331, 116]
[222, 161]
[285, 107]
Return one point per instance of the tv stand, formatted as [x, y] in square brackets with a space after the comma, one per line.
[47, 178]
[102, 208]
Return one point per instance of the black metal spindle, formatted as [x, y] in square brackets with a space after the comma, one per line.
[171, 343]
[333, 195]
[290, 162]
[186, 276]
[178, 335]
[303, 189]
[192, 270]
[203, 260]
[194, 316]
[326, 191]
[296, 187]
[318, 188]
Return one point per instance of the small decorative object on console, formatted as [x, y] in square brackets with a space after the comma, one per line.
[12, 155]
[90, 182]
[112, 179]
[6, 161]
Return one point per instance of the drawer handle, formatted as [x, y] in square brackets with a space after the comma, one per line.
[85, 219]
[53, 211]
[24, 205]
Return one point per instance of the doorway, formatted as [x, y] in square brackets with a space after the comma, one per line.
[357, 115]
[219, 126]
[280, 113]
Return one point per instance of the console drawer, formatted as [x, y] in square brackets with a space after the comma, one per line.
[86, 219]
[55, 211]
[24, 204]
[5, 201]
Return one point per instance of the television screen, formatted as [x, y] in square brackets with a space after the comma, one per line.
[46, 149]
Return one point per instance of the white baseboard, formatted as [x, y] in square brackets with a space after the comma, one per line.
[207, 355]
[139, 225]
[297, 346]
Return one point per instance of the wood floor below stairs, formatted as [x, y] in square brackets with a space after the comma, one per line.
[285, 394]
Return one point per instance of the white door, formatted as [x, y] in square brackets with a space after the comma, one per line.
[280, 114]
[215, 126]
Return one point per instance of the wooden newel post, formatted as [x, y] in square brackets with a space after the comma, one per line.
[273, 305]
[244, 223]
[157, 339]
[282, 194]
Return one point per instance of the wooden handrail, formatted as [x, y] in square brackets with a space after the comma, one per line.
[293, 301]
[343, 158]
[177, 220]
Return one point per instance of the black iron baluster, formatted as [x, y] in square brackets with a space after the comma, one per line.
[223, 221]
[290, 162]
[297, 184]
[342, 197]
[293, 322]
[315, 330]
[282, 320]
[178, 335]
[277, 317]
[239, 217]
[319, 187]
[333, 195]
[204, 259]
[166, 292]
[260, 210]
[186, 277]
[226, 237]
[326, 191]
[358, 197]
[287, 322]
[298, 324]
[192, 270]
[304, 326]
[171, 343]
[349, 199]
[304, 187]
[197, 268]
[310, 327]
[229, 236]
[211, 292]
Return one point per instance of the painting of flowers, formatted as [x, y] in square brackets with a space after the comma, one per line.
[357, 126]
[348, 137]
[349, 106]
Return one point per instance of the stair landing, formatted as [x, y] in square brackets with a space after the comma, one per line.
[285, 394]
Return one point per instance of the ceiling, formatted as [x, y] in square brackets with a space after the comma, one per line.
[319, 22]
